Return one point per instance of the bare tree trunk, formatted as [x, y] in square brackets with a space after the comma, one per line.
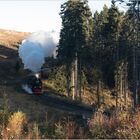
[121, 85]
[125, 86]
[76, 76]
[73, 82]
[116, 87]
[99, 92]
[135, 48]
[74, 79]
[68, 79]
[80, 80]
[84, 89]
[138, 50]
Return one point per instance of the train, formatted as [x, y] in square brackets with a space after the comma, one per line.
[34, 82]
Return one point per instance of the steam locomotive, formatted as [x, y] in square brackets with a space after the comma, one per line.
[32, 83]
[35, 84]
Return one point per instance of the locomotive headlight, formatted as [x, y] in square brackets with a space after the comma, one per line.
[37, 75]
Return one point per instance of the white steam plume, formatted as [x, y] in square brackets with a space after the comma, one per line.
[36, 47]
[27, 89]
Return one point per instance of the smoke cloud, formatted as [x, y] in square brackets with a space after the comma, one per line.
[36, 48]
[27, 89]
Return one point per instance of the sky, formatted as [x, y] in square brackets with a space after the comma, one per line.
[36, 15]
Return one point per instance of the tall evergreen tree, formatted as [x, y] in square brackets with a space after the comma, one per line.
[105, 41]
[110, 35]
[75, 33]
[97, 49]
[134, 17]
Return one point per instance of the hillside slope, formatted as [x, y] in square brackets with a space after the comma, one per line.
[11, 80]
[9, 42]
[11, 38]
[11, 94]
[52, 113]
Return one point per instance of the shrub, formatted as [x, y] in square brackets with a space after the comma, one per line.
[4, 112]
[59, 131]
[96, 125]
[16, 124]
[33, 131]
[122, 125]
[57, 80]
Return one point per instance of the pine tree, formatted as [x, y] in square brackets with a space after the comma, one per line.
[99, 20]
[75, 34]
[134, 18]
[110, 33]
[121, 84]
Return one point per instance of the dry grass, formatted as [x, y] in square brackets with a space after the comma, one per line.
[11, 38]
[107, 99]
[122, 125]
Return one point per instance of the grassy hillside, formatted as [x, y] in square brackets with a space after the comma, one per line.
[11, 39]
[22, 116]
[14, 100]
[9, 43]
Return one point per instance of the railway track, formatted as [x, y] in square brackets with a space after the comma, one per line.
[70, 107]
[63, 105]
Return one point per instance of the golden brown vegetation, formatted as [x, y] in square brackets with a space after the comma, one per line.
[15, 126]
[11, 39]
[121, 125]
